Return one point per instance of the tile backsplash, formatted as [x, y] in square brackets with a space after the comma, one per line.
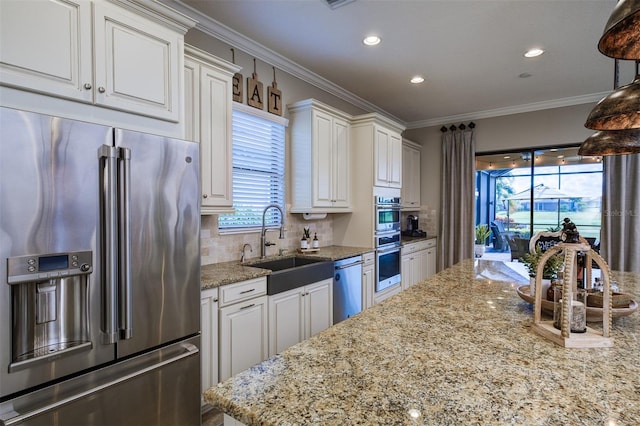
[215, 248]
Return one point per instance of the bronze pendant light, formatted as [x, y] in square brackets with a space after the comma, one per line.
[617, 116]
[621, 38]
[618, 110]
[611, 142]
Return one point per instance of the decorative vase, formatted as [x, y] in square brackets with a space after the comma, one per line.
[304, 244]
[478, 250]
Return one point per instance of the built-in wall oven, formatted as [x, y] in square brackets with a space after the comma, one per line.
[387, 240]
[387, 214]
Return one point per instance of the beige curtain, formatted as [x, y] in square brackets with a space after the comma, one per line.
[457, 195]
[620, 234]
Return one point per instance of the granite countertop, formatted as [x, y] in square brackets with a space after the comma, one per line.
[218, 274]
[408, 240]
[454, 349]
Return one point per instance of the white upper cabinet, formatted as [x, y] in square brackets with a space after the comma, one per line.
[47, 48]
[411, 154]
[137, 63]
[208, 117]
[377, 139]
[387, 157]
[112, 55]
[320, 150]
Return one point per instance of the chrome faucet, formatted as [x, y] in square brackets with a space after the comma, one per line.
[263, 238]
[243, 254]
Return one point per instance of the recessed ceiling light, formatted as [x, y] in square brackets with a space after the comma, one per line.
[371, 40]
[532, 53]
[417, 79]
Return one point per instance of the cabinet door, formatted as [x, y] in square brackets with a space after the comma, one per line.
[216, 144]
[406, 271]
[381, 157]
[322, 159]
[192, 101]
[431, 262]
[395, 160]
[138, 64]
[368, 285]
[286, 320]
[341, 180]
[318, 301]
[418, 267]
[243, 336]
[410, 177]
[46, 47]
[209, 338]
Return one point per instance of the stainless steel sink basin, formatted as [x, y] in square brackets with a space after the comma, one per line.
[293, 272]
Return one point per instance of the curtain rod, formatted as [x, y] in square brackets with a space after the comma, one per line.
[453, 128]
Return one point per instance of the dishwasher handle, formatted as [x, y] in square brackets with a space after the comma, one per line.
[338, 268]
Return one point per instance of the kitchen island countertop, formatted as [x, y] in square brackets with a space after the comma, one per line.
[454, 349]
[218, 274]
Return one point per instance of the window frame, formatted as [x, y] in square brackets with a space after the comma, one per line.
[273, 213]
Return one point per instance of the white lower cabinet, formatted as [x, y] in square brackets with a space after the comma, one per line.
[418, 262]
[368, 279]
[209, 338]
[243, 326]
[298, 314]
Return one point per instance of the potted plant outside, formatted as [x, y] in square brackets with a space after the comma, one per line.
[482, 233]
[550, 271]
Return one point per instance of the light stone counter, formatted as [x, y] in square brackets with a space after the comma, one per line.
[456, 349]
[218, 274]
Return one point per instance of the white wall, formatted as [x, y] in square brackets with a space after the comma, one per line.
[551, 127]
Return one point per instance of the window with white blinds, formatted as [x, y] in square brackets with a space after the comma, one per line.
[258, 169]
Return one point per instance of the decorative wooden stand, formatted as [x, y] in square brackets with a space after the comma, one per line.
[591, 338]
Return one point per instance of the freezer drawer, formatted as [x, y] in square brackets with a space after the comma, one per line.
[158, 388]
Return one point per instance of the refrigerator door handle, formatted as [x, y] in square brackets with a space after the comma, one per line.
[124, 290]
[108, 231]
[189, 348]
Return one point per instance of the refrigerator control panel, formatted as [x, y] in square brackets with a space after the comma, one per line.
[31, 268]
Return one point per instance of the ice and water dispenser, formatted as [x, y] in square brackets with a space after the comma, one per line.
[50, 306]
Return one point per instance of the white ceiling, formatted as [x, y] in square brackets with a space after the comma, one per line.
[469, 51]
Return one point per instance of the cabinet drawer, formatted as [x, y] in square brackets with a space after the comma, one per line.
[242, 291]
[368, 258]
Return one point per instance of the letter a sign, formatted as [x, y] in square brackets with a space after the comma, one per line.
[254, 90]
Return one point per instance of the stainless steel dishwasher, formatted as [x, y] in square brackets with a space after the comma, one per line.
[347, 288]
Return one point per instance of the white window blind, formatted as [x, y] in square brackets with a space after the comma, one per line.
[258, 170]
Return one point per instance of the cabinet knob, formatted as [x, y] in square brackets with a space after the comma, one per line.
[101, 89]
[87, 86]
[204, 195]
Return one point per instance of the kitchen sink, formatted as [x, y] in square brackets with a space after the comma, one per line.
[293, 272]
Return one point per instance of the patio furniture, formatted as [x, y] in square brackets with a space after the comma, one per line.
[499, 238]
[519, 246]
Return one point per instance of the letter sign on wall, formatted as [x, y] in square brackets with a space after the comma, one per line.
[254, 90]
[274, 101]
[237, 81]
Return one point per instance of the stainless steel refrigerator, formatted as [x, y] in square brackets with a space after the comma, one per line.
[99, 275]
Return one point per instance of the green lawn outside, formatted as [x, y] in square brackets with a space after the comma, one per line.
[587, 221]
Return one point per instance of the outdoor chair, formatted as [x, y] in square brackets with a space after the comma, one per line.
[519, 246]
[499, 238]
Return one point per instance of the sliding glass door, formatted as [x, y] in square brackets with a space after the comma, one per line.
[523, 192]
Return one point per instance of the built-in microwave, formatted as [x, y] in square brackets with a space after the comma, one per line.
[387, 214]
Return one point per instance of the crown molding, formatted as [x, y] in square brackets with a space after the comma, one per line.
[517, 109]
[220, 31]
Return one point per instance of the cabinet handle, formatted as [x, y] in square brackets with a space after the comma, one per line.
[247, 291]
[87, 86]
[101, 89]
[248, 306]
[215, 300]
